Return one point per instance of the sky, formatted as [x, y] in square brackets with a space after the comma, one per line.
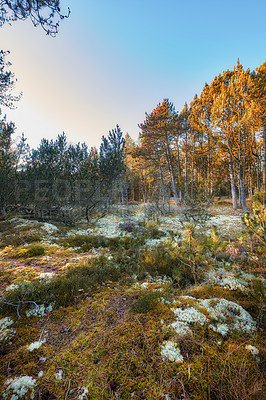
[114, 60]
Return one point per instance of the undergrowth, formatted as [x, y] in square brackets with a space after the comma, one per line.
[109, 317]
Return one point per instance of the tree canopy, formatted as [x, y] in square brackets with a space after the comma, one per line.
[46, 13]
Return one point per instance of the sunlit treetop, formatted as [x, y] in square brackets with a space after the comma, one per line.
[46, 13]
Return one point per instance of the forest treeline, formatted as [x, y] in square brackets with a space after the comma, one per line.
[216, 146]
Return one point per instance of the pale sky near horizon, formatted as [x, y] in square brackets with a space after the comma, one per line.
[114, 60]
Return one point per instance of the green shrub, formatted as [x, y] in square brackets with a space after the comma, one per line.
[160, 262]
[88, 242]
[152, 232]
[28, 252]
[84, 242]
[157, 261]
[65, 289]
[146, 302]
[14, 238]
[128, 226]
[182, 276]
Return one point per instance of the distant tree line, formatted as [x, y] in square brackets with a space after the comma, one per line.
[216, 146]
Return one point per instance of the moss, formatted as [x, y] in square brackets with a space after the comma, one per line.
[223, 374]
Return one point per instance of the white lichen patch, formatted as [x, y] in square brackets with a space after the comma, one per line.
[46, 275]
[228, 316]
[6, 333]
[109, 226]
[189, 315]
[49, 228]
[59, 375]
[40, 374]
[172, 222]
[13, 286]
[39, 311]
[18, 388]
[79, 232]
[233, 279]
[83, 393]
[36, 345]
[150, 282]
[220, 315]
[27, 223]
[181, 328]
[154, 242]
[170, 351]
[252, 349]
[22, 223]
[225, 224]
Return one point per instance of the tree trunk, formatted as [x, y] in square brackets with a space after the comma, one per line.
[179, 170]
[242, 187]
[232, 180]
[250, 185]
[264, 164]
[171, 171]
[209, 178]
[4, 211]
[258, 176]
[186, 180]
[133, 190]
[121, 189]
[192, 178]
[162, 182]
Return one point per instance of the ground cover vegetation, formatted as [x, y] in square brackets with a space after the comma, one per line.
[137, 271]
[125, 315]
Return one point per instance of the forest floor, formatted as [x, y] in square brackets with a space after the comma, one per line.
[138, 305]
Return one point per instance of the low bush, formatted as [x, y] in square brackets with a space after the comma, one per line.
[84, 242]
[159, 262]
[18, 238]
[29, 252]
[65, 289]
[152, 232]
[88, 242]
[128, 226]
[146, 301]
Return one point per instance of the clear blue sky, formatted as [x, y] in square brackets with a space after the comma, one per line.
[114, 60]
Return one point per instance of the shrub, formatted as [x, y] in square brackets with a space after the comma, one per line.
[30, 251]
[151, 231]
[19, 238]
[160, 262]
[88, 242]
[84, 242]
[146, 302]
[128, 226]
[256, 222]
[66, 289]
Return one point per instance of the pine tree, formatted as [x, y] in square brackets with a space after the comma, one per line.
[8, 159]
[259, 96]
[158, 133]
[46, 13]
[7, 82]
[112, 161]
